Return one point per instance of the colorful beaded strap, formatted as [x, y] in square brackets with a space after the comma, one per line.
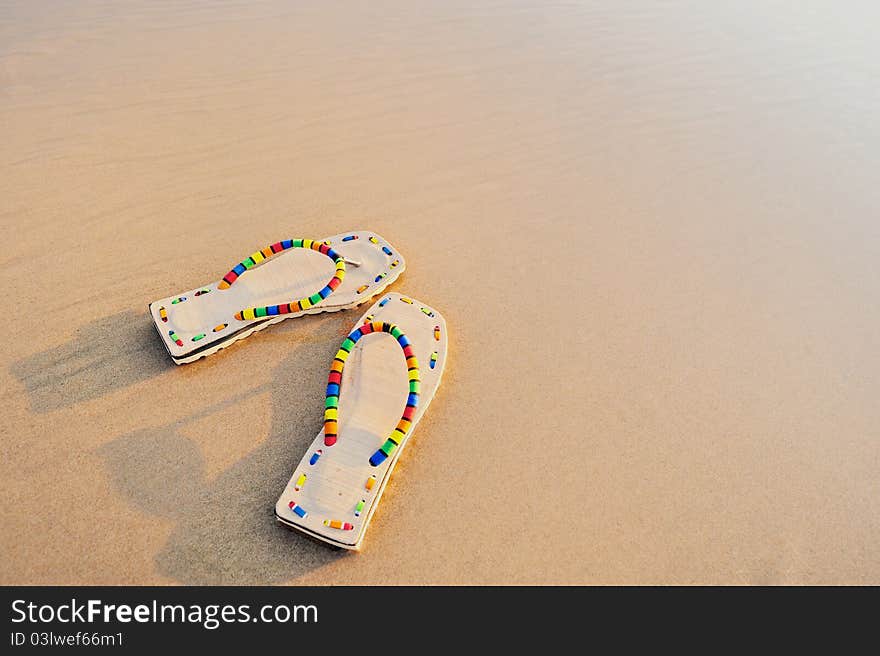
[295, 306]
[334, 380]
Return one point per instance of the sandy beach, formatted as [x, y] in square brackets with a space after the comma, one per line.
[654, 232]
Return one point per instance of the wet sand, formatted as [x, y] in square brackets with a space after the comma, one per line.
[653, 231]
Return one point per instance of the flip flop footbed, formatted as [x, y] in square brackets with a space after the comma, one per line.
[335, 489]
[200, 321]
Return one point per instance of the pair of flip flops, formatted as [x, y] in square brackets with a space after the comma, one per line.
[377, 388]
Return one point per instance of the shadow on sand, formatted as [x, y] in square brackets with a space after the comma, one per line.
[226, 531]
[104, 356]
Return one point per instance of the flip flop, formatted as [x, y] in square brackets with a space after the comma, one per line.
[260, 291]
[386, 384]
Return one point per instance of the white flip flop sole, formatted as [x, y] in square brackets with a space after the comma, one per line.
[201, 321]
[336, 487]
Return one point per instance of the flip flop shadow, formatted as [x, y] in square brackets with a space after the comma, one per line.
[104, 356]
[226, 532]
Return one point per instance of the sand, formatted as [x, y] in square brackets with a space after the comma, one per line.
[653, 232]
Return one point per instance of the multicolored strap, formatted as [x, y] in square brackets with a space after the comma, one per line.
[295, 306]
[334, 380]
